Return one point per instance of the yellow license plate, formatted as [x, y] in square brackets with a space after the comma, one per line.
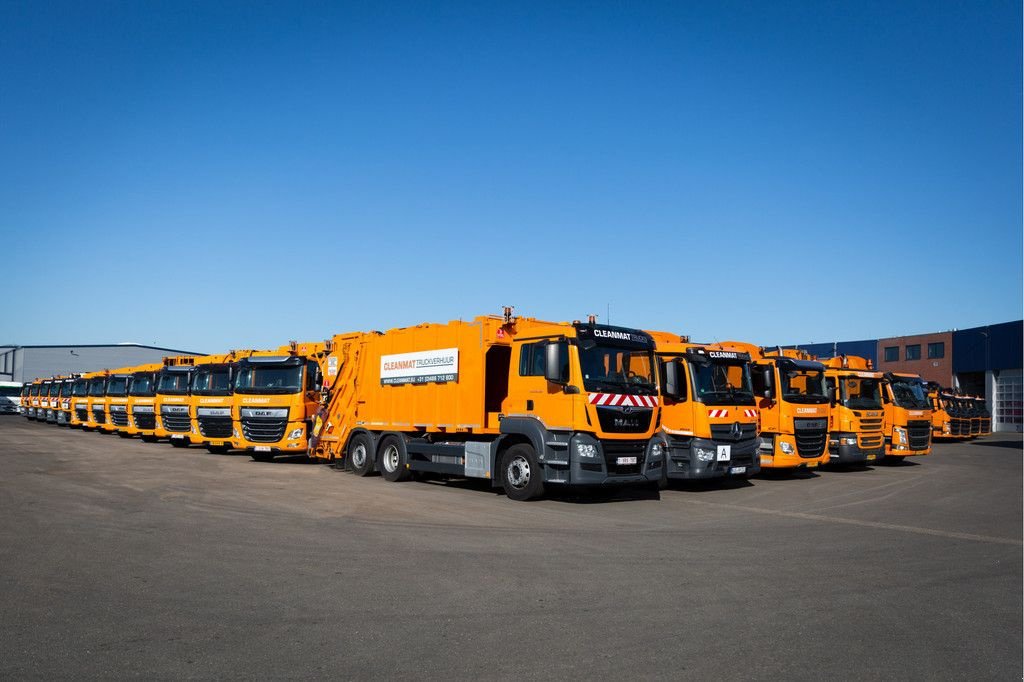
[871, 457]
[811, 465]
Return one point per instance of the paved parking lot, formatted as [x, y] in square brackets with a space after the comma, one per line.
[122, 558]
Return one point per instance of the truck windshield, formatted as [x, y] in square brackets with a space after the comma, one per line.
[142, 385]
[270, 378]
[803, 386]
[65, 389]
[860, 393]
[81, 387]
[617, 370]
[910, 393]
[212, 380]
[172, 383]
[720, 383]
[117, 386]
[96, 387]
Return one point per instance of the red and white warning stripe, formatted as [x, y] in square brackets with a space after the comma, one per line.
[718, 414]
[749, 413]
[622, 400]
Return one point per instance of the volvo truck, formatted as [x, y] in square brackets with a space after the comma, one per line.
[908, 418]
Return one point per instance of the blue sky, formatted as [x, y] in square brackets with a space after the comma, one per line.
[217, 175]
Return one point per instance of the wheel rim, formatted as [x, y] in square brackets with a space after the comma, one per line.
[517, 472]
[359, 455]
[391, 458]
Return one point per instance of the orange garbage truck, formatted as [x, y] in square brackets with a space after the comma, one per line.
[855, 418]
[908, 416]
[793, 406]
[708, 412]
[521, 402]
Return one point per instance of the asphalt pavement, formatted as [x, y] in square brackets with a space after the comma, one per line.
[120, 558]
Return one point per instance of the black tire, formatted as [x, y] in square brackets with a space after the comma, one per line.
[360, 455]
[520, 473]
[124, 435]
[180, 442]
[663, 479]
[217, 449]
[261, 456]
[393, 460]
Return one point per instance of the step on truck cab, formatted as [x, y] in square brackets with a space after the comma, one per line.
[171, 403]
[855, 416]
[521, 402]
[211, 401]
[117, 400]
[793, 406]
[140, 406]
[80, 400]
[908, 416]
[709, 416]
[276, 395]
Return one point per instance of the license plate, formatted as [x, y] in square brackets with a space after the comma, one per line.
[266, 448]
[625, 460]
[724, 453]
[811, 465]
[738, 470]
[871, 457]
[178, 437]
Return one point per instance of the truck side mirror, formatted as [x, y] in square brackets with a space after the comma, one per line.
[554, 360]
[769, 381]
[675, 387]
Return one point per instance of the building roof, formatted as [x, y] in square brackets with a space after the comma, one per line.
[102, 345]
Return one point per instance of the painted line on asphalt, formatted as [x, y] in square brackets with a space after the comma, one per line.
[866, 524]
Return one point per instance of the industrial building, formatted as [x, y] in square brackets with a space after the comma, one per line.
[978, 361]
[25, 363]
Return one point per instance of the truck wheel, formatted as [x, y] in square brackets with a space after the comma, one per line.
[359, 460]
[663, 479]
[520, 473]
[393, 461]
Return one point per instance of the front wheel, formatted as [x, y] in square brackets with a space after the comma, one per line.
[520, 474]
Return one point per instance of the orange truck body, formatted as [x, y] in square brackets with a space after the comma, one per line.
[211, 400]
[709, 417]
[856, 417]
[792, 404]
[275, 395]
[141, 400]
[520, 402]
[908, 415]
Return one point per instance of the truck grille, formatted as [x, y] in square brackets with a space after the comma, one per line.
[870, 440]
[264, 430]
[82, 414]
[724, 432]
[975, 428]
[624, 448]
[920, 434]
[179, 423]
[145, 421]
[811, 436]
[215, 427]
[615, 420]
[119, 418]
[99, 416]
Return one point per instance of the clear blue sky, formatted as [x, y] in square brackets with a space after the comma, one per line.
[214, 175]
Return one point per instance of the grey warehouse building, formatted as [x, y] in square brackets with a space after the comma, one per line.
[25, 363]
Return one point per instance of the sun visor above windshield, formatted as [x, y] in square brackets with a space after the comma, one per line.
[620, 337]
[707, 355]
[272, 359]
[790, 364]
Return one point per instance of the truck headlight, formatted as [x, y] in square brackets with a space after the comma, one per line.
[786, 447]
[586, 450]
[296, 433]
[704, 454]
[945, 427]
[901, 435]
[848, 441]
[657, 451]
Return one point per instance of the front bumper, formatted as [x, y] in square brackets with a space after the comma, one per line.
[851, 453]
[684, 461]
[604, 469]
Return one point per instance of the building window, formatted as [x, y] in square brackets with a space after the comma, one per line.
[914, 352]
[936, 350]
[1010, 400]
[892, 353]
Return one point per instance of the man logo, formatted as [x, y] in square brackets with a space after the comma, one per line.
[627, 410]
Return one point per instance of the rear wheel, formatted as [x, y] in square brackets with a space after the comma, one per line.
[359, 460]
[393, 460]
[520, 473]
